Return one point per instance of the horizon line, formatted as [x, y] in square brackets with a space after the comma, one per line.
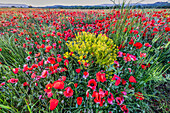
[74, 4]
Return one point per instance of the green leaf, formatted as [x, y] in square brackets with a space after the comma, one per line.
[6, 107]
[28, 106]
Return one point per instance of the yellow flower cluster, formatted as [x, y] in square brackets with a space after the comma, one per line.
[109, 76]
[90, 47]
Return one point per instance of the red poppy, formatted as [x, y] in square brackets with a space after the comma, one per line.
[48, 87]
[125, 30]
[12, 80]
[132, 79]
[33, 75]
[30, 69]
[120, 54]
[129, 69]
[59, 42]
[64, 57]
[78, 70]
[49, 94]
[36, 84]
[2, 84]
[124, 92]
[63, 78]
[117, 78]
[51, 68]
[101, 102]
[110, 99]
[101, 93]
[100, 77]
[65, 69]
[75, 85]
[51, 60]
[87, 94]
[148, 65]
[56, 66]
[131, 42]
[54, 44]
[68, 92]
[133, 57]
[142, 54]
[59, 55]
[42, 46]
[34, 66]
[127, 59]
[138, 45]
[53, 104]
[143, 66]
[58, 84]
[92, 84]
[148, 45]
[130, 87]
[70, 53]
[135, 32]
[48, 48]
[79, 100]
[15, 70]
[59, 59]
[66, 62]
[106, 93]
[59, 34]
[155, 30]
[123, 82]
[167, 29]
[124, 108]
[25, 84]
[24, 45]
[38, 54]
[119, 100]
[44, 73]
[97, 97]
[48, 35]
[85, 74]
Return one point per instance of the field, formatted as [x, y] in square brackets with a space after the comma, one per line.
[75, 61]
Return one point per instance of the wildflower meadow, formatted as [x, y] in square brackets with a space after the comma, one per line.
[84, 61]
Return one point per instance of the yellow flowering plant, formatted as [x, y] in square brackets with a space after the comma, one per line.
[89, 47]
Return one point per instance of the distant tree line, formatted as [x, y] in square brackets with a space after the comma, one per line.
[112, 7]
[143, 7]
[83, 7]
[100, 7]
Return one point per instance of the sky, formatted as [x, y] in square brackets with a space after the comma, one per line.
[72, 2]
